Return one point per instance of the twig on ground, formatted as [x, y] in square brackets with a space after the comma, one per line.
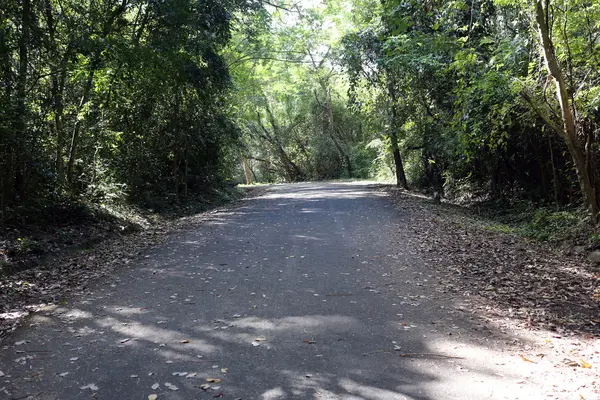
[429, 355]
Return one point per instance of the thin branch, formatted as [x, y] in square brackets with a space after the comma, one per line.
[541, 114]
[285, 8]
[243, 60]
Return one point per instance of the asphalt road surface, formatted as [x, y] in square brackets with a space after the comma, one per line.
[305, 292]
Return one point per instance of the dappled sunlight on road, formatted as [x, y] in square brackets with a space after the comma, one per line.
[270, 301]
[320, 192]
[193, 350]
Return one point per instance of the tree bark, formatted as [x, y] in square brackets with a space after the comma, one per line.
[246, 171]
[21, 110]
[554, 174]
[58, 72]
[400, 175]
[77, 128]
[585, 175]
[6, 165]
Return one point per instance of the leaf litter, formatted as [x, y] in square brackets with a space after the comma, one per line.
[542, 287]
[511, 285]
[65, 273]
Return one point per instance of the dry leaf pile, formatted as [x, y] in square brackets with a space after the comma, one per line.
[506, 275]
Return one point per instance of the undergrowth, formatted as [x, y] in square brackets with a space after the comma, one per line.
[539, 223]
[32, 233]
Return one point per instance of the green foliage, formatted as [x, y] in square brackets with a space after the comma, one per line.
[115, 100]
[27, 246]
[382, 164]
[156, 102]
[541, 224]
[472, 106]
[292, 97]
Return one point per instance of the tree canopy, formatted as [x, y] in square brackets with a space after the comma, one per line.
[156, 101]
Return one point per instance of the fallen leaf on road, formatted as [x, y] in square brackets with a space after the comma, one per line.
[73, 358]
[184, 341]
[255, 343]
[260, 339]
[155, 386]
[179, 373]
[213, 380]
[570, 363]
[171, 386]
[224, 370]
[309, 341]
[526, 359]
[124, 340]
[62, 374]
[90, 386]
[152, 397]
[585, 364]
[191, 375]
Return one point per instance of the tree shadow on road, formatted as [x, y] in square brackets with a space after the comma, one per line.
[234, 309]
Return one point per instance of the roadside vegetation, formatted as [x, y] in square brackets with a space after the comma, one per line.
[114, 113]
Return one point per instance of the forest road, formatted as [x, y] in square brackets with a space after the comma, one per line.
[305, 292]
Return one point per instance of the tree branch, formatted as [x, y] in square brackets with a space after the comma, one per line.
[541, 114]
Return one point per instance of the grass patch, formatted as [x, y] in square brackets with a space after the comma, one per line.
[540, 224]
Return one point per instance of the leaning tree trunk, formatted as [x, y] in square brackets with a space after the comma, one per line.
[580, 156]
[293, 172]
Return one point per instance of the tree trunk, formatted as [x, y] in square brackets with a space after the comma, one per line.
[186, 173]
[21, 111]
[59, 117]
[77, 128]
[58, 72]
[6, 144]
[94, 65]
[400, 175]
[246, 171]
[587, 181]
[554, 174]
